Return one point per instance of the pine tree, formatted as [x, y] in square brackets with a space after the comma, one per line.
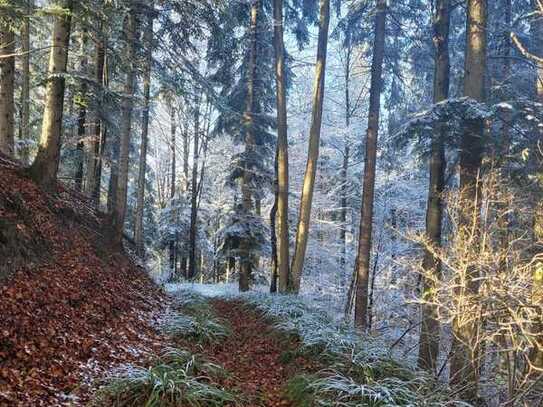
[366, 212]
[45, 166]
[465, 361]
[119, 208]
[429, 336]
[7, 80]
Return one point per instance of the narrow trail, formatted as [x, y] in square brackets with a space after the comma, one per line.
[253, 356]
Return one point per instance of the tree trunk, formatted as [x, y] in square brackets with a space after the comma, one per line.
[113, 175]
[464, 361]
[45, 166]
[81, 116]
[138, 226]
[193, 232]
[281, 262]
[273, 226]
[97, 144]
[302, 231]
[429, 335]
[346, 158]
[536, 353]
[366, 212]
[173, 239]
[119, 210]
[246, 260]
[7, 80]
[24, 125]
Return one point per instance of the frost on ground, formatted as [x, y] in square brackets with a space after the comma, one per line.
[356, 368]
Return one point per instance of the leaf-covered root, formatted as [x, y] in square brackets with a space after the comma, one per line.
[176, 378]
[201, 328]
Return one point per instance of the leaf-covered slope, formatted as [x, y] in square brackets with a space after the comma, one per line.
[66, 303]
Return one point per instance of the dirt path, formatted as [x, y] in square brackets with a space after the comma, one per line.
[252, 354]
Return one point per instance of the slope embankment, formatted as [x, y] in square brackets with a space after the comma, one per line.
[69, 307]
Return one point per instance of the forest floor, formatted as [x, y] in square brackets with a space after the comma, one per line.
[71, 310]
[255, 355]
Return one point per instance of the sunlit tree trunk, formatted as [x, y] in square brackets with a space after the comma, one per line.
[281, 217]
[119, 209]
[429, 335]
[81, 115]
[7, 80]
[246, 260]
[24, 125]
[536, 354]
[45, 166]
[366, 212]
[302, 231]
[140, 200]
[464, 362]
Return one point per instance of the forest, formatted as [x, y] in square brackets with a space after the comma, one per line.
[271, 203]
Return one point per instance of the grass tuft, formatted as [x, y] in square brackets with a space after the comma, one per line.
[200, 328]
[177, 378]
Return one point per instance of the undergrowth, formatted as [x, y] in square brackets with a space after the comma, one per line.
[194, 320]
[174, 379]
[360, 372]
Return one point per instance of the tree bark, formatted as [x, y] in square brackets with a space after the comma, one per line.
[246, 260]
[119, 209]
[464, 361]
[24, 125]
[366, 212]
[81, 116]
[45, 166]
[536, 353]
[346, 158]
[282, 229]
[273, 226]
[97, 142]
[302, 231]
[173, 239]
[429, 335]
[193, 232]
[7, 89]
[138, 226]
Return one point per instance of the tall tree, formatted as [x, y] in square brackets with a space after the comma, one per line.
[366, 212]
[281, 205]
[429, 335]
[302, 231]
[24, 125]
[173, 238]
[140, 200]
[346, 153]
[119, 209]
[81, 103]
[7, 80]
[193, 231]
[464, 361]
[246, 261]
[45, 166]
[99, 133]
